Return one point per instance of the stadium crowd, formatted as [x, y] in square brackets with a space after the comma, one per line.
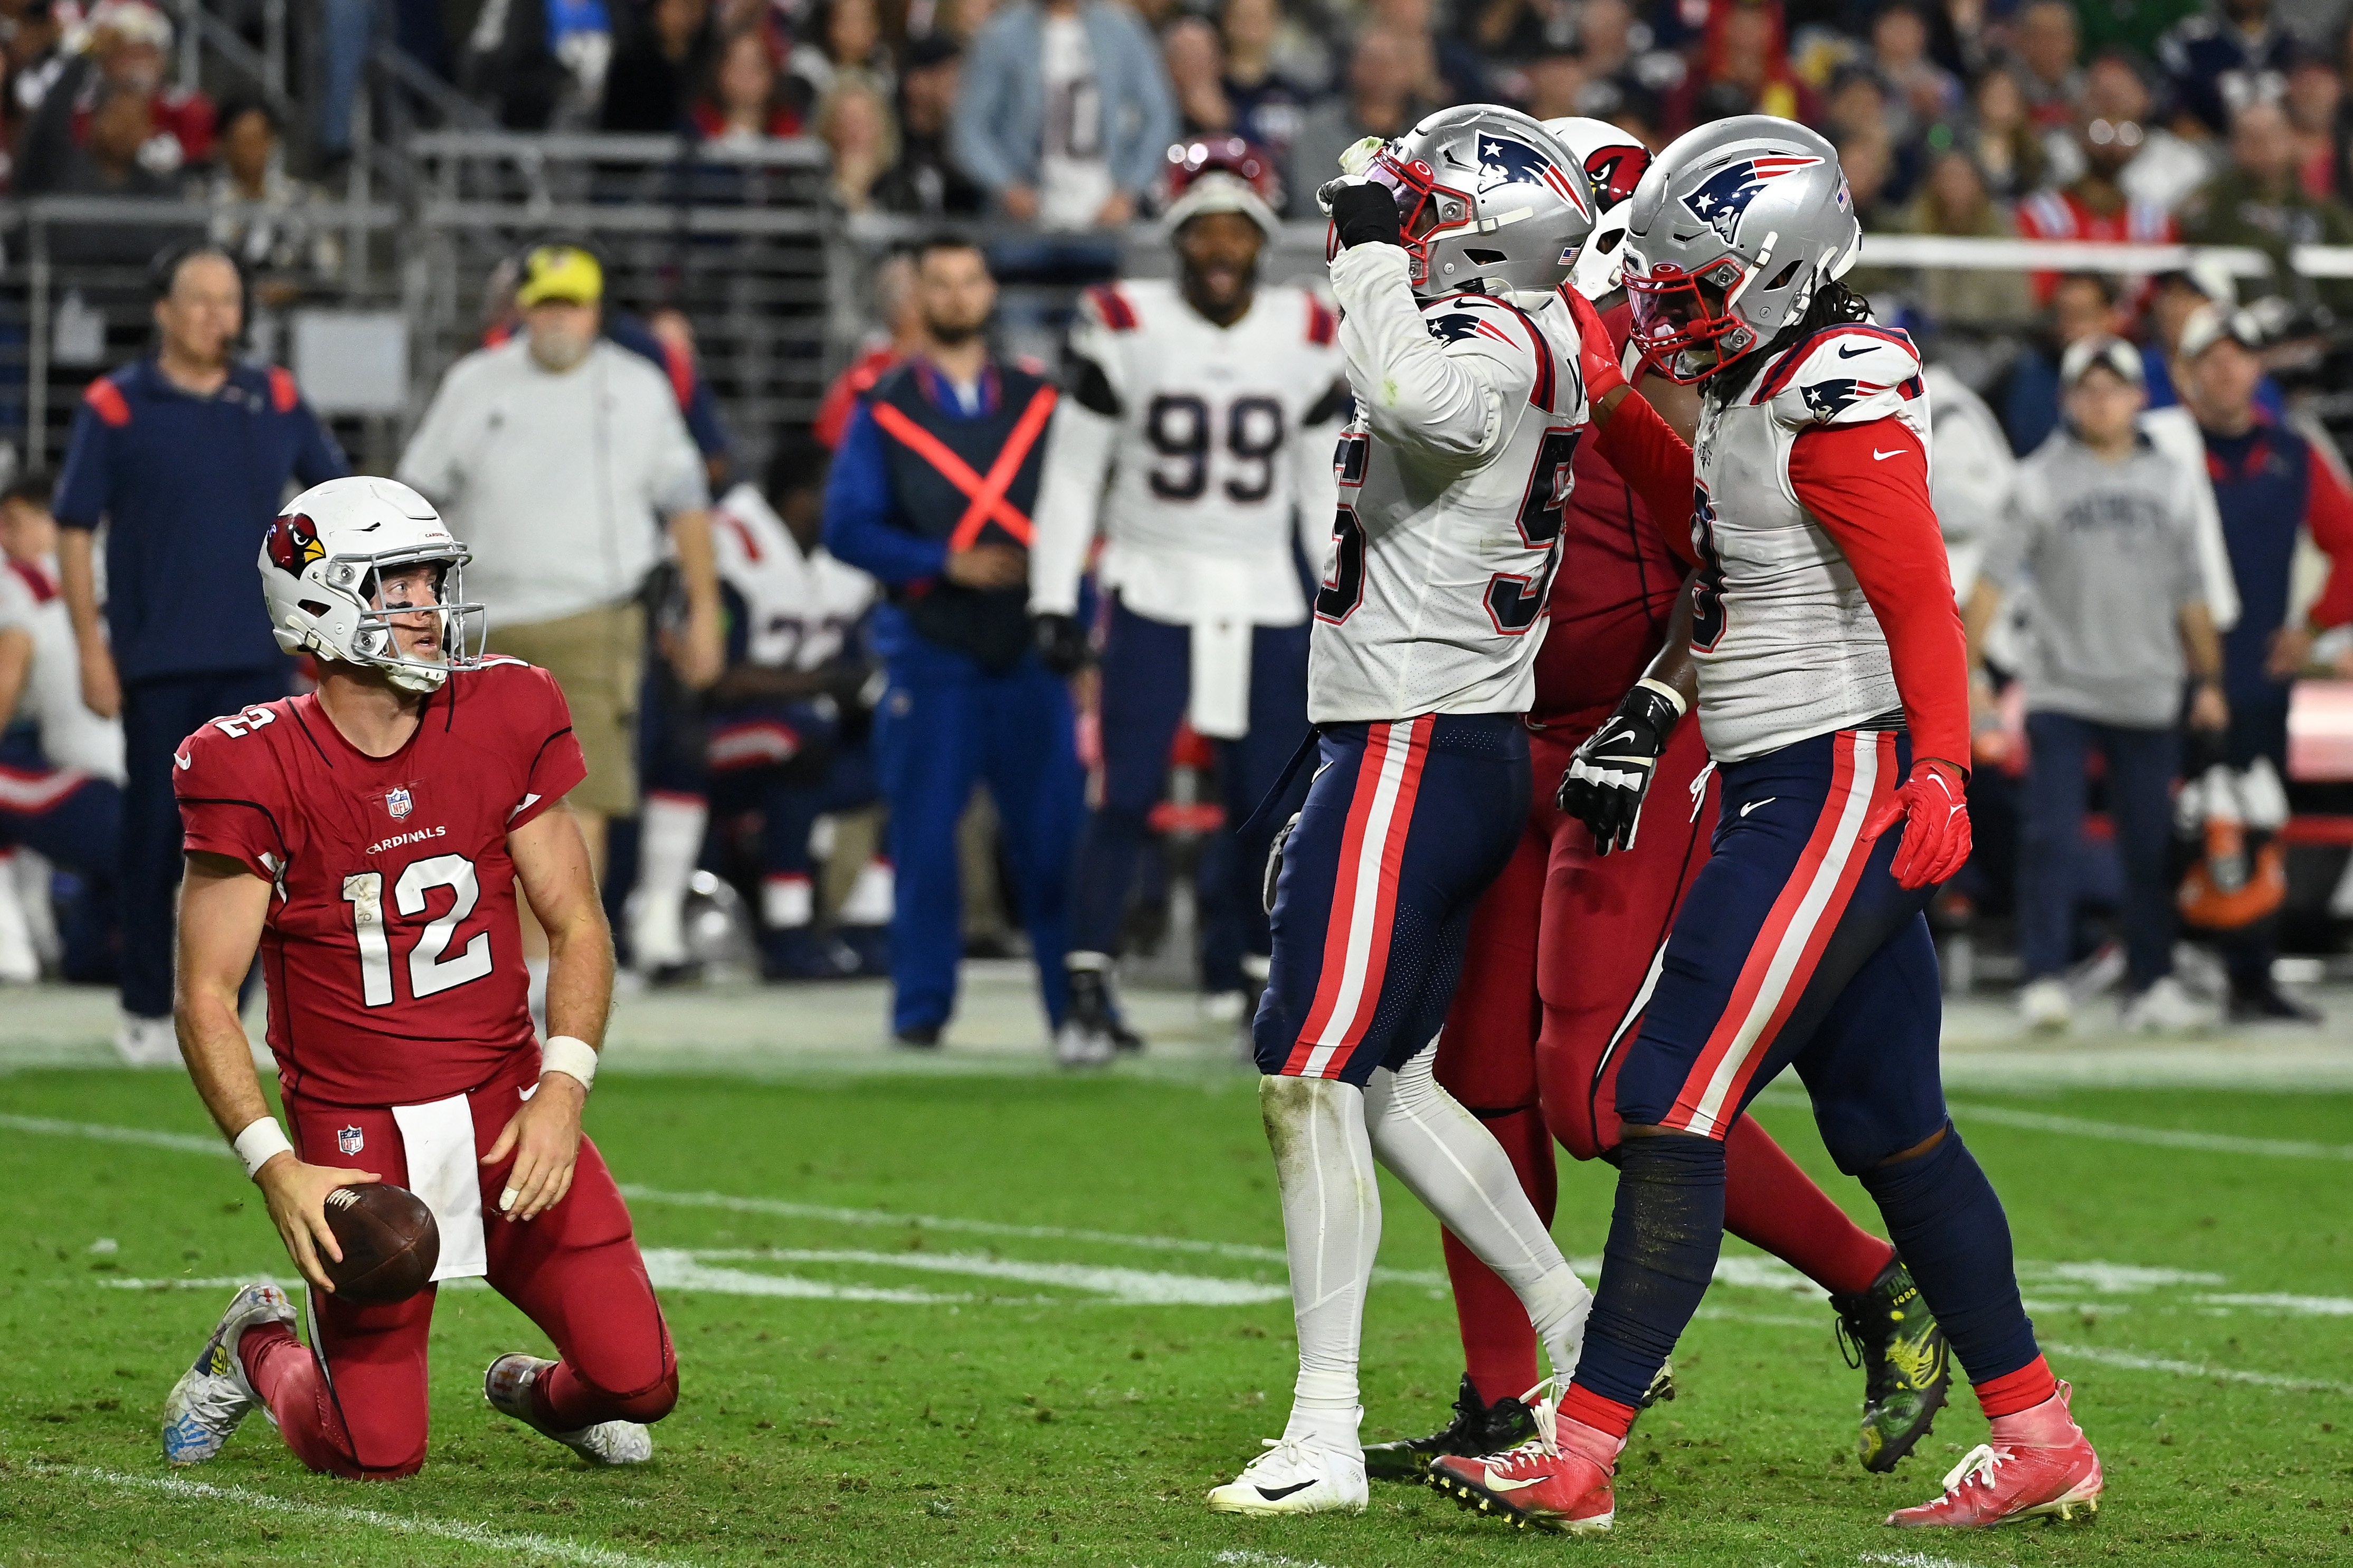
[764, 763]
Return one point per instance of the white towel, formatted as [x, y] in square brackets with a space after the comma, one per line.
[443, 1170]
[1222, 676]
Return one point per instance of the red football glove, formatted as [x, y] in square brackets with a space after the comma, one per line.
[1935, 812]
[1596, 354]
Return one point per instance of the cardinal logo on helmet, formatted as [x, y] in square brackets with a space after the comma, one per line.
[1726, 193]
[1615, 172]
[1502, 161]
[294, 542]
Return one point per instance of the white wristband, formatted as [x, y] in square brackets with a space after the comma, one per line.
[261, 1141]
[565, 1055]
[1669, 692]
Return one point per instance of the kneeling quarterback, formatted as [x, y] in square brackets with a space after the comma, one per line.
[369, 839]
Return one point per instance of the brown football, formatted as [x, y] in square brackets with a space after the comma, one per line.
[389, 1241]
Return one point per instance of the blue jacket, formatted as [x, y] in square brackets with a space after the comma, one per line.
[999, 129]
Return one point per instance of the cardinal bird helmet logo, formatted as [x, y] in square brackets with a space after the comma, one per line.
[294, 542]
[1615, 171]
[1725, 195]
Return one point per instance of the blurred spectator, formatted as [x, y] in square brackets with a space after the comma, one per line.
[845, 42]
[2102, 529]
[1063, 111]
[854, 122]
[2165, 168]
[544, 66]
[2047, 41]
[655, 64]
[1954, 200]
[1621, 65]
[2082, 305]
[898, 308]
[1926, 91]
[927, 181]
[2259, 202]
[260, 213]
[126, 48]
[1263, 59]
[968, 699]
[1859, 117]
[2094, 206]
[2003, 140]
[1197, 78]
[2274, 490]
[1869, 164]
[176, 454]
[2223, 61]
[557, 457]
[743, 104]
[1743, 68]
[36, 58]
[1448, 71]
[1379, 101]
[2315, 103]
[1554, 80]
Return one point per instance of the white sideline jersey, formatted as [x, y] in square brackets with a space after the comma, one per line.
[1787, 646]
[1454, 476]
[72, 737]
[1215, 441]
[799, 608]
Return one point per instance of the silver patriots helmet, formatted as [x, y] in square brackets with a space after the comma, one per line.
[1487, 199]
[1730, 232]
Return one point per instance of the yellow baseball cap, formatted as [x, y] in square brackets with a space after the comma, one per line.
[560, 272]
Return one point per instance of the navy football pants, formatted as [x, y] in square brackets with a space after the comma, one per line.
[1146, 684]
[75, 822]
[1406, 825]
[944, 724]
[157, 715]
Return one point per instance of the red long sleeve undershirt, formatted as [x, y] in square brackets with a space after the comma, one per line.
[2329, 513]
[1875, 507]
[1648, 454]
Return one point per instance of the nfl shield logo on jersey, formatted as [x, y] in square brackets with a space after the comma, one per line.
[350, 1139]
[398, 803]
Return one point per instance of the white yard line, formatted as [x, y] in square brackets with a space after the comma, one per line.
[2135, 1362]
[1911, 1560]
[1246, 1559]
[2116, 1131]
[186, 1142]
[506, 1543]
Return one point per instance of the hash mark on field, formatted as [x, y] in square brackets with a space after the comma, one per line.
[546, 1548]
[2131, 1361]
[1911, 1560]
[1247, 1559]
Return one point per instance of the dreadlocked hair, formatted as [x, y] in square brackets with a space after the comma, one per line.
[1834, 303]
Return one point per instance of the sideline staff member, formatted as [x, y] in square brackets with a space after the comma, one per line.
[184, 455]
[931, 492]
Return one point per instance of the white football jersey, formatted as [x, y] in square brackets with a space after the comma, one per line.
[1454, 477]
[72, 737]
[1217, 442]
[801, 607]
[1787, 646]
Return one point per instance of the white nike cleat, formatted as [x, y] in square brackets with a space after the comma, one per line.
[2046, 1005]
[214, 1395]
[507, 1385]
[1295, 1476]
[2164, 1009]
[146, 1042]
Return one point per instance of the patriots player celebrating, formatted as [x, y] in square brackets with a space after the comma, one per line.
[371, 840]
[1446, 247]
[1217, 401]
[1833, 696]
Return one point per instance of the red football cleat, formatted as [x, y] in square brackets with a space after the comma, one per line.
[1558, 1481]
[2039, 1463]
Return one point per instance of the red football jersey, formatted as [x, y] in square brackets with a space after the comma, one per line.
[1611, 596]
[392, 950]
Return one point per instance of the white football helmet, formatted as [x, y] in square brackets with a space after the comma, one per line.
[320, 563]
[1614, 163]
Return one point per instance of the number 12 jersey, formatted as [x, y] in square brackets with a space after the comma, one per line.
[391, 951]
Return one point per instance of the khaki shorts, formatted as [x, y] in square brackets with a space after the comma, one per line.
[599, 658]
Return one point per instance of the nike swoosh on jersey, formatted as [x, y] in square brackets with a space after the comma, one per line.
[1843, 355]
[1274, 1494]
[1884, 456]
[1755, 804]
[1496, 1483]
[185, 761]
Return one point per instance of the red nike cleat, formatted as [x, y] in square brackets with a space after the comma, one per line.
[2039, 1463]
[1558, 1481]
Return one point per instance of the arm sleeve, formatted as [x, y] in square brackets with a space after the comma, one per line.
[81, 497]
[225, 809]
[1445, 402]
[2329, 513]
[1648, 454]
[320, 457]
[557, 765]
[1877, 511]
[858, 510]
[1070, 497]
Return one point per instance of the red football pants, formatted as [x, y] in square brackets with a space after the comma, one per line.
[1562, 956]
[354, 1403]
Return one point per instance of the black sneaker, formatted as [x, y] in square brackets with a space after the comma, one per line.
[918, 1036]
[1091, 1029]
[1907, 1367]
[1476, 1430]
[2268, 1004]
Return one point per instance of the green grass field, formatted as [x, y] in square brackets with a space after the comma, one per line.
[964, 1318]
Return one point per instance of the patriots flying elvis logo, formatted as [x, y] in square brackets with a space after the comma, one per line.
[1726, 193]
[1502, 161]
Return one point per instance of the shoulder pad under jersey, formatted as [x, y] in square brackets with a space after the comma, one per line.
[1842, 376]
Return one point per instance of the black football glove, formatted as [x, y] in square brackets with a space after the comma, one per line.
[1610, 773]
[1274, 862]
[1362, 213]
[1061, 643]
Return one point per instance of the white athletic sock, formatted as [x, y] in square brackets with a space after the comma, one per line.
[669, 842]
[1453, 1164]
[786, 902]
[1331, 1230]
[871, 896]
